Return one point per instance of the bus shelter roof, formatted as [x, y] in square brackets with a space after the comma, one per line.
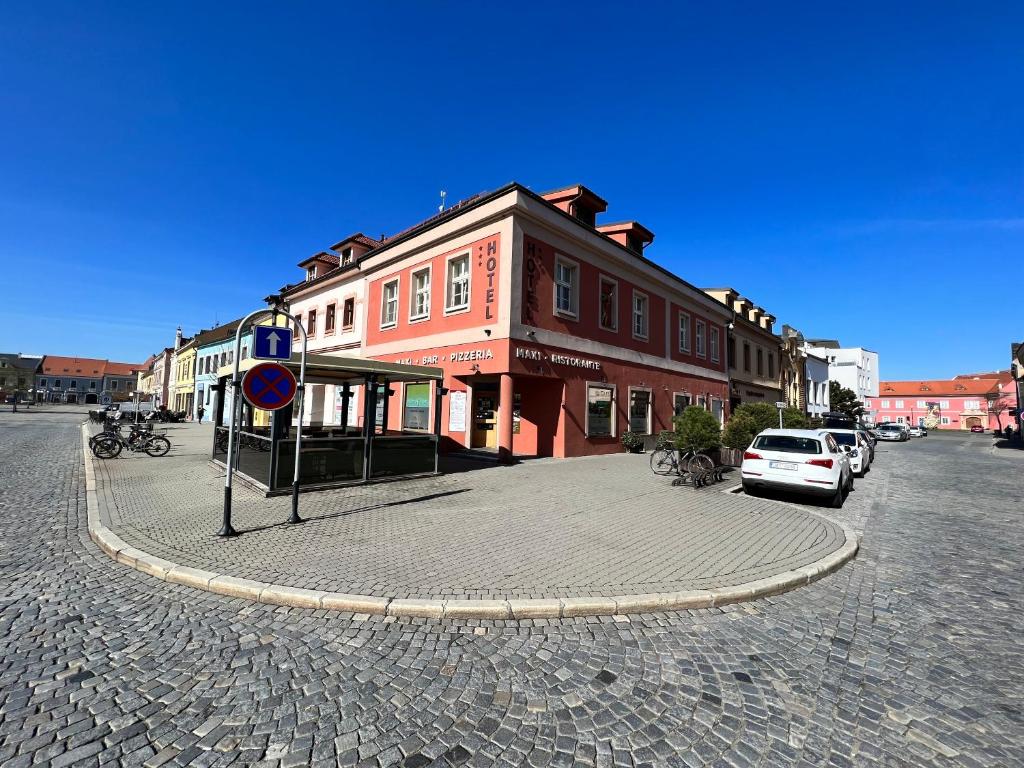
[329, 369]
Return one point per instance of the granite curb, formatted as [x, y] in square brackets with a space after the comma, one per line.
[542, 608]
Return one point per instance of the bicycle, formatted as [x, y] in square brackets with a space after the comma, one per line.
[109, 444]
[667, 460]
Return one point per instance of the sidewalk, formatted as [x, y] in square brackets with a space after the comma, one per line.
[596, 534]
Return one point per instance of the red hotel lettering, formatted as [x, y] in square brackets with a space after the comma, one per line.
[492, 265]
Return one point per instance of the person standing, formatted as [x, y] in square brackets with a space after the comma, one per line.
[199, 414]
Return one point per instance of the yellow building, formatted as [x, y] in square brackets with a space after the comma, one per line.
[185, 378]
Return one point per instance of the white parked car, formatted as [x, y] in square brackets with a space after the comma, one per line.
[853, 443]
[806, 461]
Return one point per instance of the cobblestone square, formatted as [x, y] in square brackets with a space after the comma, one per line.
[907, 655]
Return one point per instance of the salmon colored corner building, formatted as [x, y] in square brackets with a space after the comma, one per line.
[556, 334]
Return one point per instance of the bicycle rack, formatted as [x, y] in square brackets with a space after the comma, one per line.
[701, 479]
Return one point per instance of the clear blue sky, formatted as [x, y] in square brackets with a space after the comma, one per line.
[171, 163]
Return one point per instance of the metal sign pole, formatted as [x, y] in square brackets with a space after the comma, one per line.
[236, 386]
[301, 397]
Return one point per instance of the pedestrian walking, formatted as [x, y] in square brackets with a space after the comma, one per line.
[199, 413]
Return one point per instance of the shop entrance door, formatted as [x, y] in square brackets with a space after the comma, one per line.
[485, 416]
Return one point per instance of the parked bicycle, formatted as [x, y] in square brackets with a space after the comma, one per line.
[109, 443]
[667, 460]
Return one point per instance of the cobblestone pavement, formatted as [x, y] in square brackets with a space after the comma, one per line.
[604, 525]
[908, 655]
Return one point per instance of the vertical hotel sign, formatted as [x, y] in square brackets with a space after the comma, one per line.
[488, 261]
[533, 265]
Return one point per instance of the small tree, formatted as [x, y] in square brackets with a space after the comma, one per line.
[844, 401]
[997, 408]
[697, 428]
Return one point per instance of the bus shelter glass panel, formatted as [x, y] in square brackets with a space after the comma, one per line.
[323, 460]
[403, 455]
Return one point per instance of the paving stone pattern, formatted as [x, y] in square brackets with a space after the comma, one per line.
[578, 528]
[908, 655]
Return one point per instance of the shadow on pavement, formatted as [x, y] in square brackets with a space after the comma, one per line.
[347, 512]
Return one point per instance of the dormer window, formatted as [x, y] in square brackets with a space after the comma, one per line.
[310, 273]
[346, 256]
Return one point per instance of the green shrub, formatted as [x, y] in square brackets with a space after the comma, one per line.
[632, 442]
[697, 428]
[740, 430]
[750, 419]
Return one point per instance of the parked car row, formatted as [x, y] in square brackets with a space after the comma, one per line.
[899, 432]
[814, 462]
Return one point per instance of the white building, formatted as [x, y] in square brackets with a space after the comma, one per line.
[816, 372]
[854, 368]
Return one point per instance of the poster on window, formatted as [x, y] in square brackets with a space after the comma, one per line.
[457, 412]
[416, 414]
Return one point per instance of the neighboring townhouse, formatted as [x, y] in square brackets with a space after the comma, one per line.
[753, 350]
[555, 332]
[816, 384]
[333, 316]
[162, 376]
[185, 377]
[214, 349]
[959, 403]
[70, 379]
[18, 375]
[854, 368]
[794, 369]
[120, 380]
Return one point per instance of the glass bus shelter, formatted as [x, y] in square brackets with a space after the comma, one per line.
[342, 451]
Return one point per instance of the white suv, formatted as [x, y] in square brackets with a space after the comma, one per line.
[807, 461]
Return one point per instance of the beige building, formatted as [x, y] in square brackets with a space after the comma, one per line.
[753, 351]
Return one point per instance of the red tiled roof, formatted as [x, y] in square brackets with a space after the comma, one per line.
[954, 387]
[74, 366]
[122, 369]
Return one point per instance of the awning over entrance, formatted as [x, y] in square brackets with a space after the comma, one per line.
[339, 453]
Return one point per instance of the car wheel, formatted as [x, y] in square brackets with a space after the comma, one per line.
[837, 499]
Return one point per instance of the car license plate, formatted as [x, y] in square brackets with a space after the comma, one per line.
[782, 465]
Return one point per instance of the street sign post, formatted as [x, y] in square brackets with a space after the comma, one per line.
[270, 342]
[268, 392]
[780, 405]
[269, 386]
[106, 399]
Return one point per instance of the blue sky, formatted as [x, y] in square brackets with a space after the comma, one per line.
[170, 164]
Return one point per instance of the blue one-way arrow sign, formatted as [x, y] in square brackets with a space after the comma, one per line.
[271, 342]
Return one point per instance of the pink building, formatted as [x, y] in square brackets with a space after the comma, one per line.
[963, 402]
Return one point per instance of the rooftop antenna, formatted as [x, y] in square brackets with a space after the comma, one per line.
[440, 208]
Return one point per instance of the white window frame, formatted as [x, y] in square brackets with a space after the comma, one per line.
[899, 404]
[944, 405]
[885, 404]
[700, 336]
[687, 347]
[922, 404]
[650, 409]
[687, 395]
[384, 322]
[574, 288]
[945, 421]
[449, 308]
[614, 416]
[428, 270]
[601, 281]
[714, 340]
[646, 315]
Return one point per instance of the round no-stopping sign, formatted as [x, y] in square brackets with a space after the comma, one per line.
[268, 386]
